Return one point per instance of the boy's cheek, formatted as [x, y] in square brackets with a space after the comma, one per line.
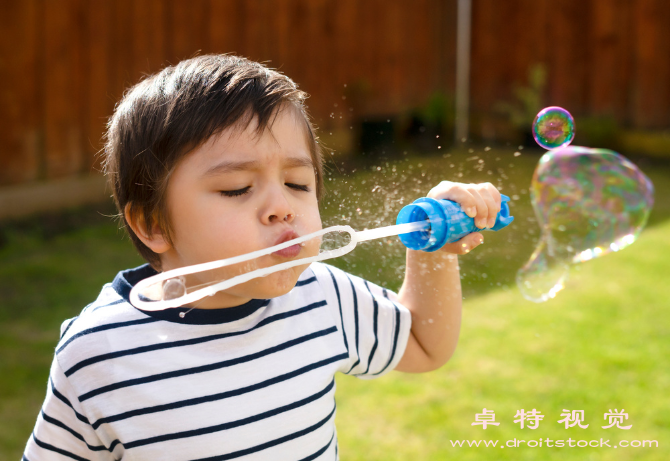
[311, 218]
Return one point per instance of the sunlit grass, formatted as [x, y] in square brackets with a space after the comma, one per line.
[602, 344]
[42, 283]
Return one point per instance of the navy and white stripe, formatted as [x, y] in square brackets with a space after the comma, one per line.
[252, 382]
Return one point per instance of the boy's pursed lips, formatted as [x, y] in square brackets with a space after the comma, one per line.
[291, 251]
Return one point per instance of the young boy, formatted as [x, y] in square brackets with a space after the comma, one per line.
[213, 158]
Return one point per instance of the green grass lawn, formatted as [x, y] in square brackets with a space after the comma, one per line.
[43, 281]
[602, 343]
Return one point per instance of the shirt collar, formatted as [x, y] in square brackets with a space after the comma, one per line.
[125, 280]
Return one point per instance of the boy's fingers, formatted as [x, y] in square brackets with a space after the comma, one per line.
[482, 209]
[492, 207]
[457, 193]
[495, 193]
[479, 201]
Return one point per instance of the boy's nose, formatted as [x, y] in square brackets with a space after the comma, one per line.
[278, 208]
[274, 218]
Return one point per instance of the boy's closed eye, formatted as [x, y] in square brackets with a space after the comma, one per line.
[300, 187]
[235, 193]
[244, 190]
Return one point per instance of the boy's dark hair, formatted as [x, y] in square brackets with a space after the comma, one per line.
[167, 115]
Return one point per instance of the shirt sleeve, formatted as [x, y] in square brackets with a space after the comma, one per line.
[375, 326]
[62, 431]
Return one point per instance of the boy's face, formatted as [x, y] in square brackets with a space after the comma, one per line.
[238, 193]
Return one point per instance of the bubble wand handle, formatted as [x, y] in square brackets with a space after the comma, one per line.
[448, 222]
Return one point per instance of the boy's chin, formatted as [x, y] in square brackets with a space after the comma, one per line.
[273, 285]
[279, 283]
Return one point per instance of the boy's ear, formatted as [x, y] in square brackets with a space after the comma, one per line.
[155, 239]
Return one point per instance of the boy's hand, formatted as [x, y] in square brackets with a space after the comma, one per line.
[479, 201]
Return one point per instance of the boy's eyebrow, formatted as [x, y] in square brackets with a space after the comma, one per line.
[232, 166]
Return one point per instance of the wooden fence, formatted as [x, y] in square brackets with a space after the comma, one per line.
[65, 63]
[603, 57]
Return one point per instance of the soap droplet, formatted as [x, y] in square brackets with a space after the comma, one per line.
[174, 288]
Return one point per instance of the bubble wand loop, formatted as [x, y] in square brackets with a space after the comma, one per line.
[427, 224]
[135, 293]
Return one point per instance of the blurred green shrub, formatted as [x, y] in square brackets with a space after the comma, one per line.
[422, 127]
[438, 111]
[528, 103]
[647, 143]
[598, 131]
[606, 132]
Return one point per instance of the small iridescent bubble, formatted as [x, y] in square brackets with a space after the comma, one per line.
[553, 127]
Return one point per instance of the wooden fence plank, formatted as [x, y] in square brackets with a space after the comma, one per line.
[150, 37]
[224, 25]
[20, 135]
[99, 96]
[121, 53]
[606, 59]
[61, 96]
[651, 75]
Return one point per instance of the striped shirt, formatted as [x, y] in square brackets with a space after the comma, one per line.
[252, 382]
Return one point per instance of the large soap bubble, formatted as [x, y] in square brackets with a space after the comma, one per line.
[588, 202]
[553, 127]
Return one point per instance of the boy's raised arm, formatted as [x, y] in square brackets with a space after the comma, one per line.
[432, 286]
